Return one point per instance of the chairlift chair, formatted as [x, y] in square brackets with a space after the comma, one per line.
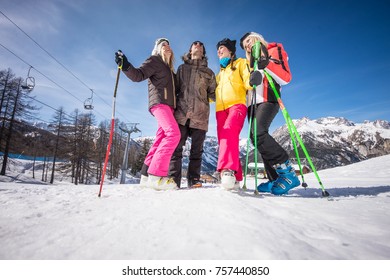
[88, 102]
[29, 83]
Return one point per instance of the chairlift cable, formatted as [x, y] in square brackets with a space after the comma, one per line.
[42, 48]
[48, 53]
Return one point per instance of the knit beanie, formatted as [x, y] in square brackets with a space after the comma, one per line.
[246, 35]
[229, 44]
[158, 45]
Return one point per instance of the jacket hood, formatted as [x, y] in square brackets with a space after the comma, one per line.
[202, 62]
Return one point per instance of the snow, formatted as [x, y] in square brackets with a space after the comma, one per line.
[337, 129]
[65, 221]
[69, 222]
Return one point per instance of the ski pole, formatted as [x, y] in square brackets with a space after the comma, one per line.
[256, 52]
[290, 131]
[247, 147]
[295, 132]
[251, 117]
[111, 129]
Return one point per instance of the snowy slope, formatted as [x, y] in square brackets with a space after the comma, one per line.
[65, 221]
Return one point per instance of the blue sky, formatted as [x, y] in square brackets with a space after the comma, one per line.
[338, 51]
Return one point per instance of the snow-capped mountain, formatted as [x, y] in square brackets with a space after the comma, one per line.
[333, 141]
[330, 141]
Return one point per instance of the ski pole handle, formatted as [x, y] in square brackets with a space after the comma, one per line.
[256, 50]
[119, 56]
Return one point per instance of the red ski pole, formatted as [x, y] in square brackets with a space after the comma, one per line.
[111, 130]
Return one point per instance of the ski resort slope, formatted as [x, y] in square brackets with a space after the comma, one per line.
[69, 222]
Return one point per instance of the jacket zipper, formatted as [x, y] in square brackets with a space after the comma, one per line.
[223, 76]
[173, 91]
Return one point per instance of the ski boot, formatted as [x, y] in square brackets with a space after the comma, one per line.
[194, 183]
[287, 179]
[143, 182]
[161, 183]
[228, 179]
[265, 187]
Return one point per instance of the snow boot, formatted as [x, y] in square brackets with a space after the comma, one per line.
[287, 179]
[265, 187]
[161, 183]
[228, 179]
[194, 183]
[143, 182]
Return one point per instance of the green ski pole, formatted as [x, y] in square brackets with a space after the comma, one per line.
[247, 150]
[256, 51]
[290, 131]
[295, 132]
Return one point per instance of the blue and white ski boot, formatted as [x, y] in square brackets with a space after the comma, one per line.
[265, 187]
[287, 179]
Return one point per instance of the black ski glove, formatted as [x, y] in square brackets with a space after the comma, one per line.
[256, 78]
[263, 62]
[120, 58]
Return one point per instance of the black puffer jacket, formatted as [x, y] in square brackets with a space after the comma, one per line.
[161, 80]
[195, 89]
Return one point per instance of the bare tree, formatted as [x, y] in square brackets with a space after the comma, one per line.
[14, 107]
[58, 123]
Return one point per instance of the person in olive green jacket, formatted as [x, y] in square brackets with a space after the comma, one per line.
[196, 88]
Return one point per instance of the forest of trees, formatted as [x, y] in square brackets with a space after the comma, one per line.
[72, 144]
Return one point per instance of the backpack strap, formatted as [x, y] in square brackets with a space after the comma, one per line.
[280, 60]
[281, 57]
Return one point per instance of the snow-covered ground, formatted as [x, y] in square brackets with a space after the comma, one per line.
[64, 221]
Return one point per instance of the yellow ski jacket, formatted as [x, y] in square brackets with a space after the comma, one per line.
[232, 85]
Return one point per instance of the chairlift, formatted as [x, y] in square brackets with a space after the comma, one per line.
[88, 102]
[29, 83]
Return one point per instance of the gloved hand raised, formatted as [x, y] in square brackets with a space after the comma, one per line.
[256, 78]
[121, 59]
[262, 62]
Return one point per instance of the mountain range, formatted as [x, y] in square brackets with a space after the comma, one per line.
[330, 142]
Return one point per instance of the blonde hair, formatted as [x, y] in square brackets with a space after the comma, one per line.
[170, 62]
[255, 37]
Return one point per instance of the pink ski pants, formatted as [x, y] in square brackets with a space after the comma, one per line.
[229, 126]
[167, 138]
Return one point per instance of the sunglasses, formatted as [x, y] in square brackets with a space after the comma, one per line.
[197, 42]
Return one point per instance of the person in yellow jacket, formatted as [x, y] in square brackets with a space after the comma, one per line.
[232, 85]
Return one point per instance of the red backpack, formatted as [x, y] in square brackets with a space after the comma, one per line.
[280, 65]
